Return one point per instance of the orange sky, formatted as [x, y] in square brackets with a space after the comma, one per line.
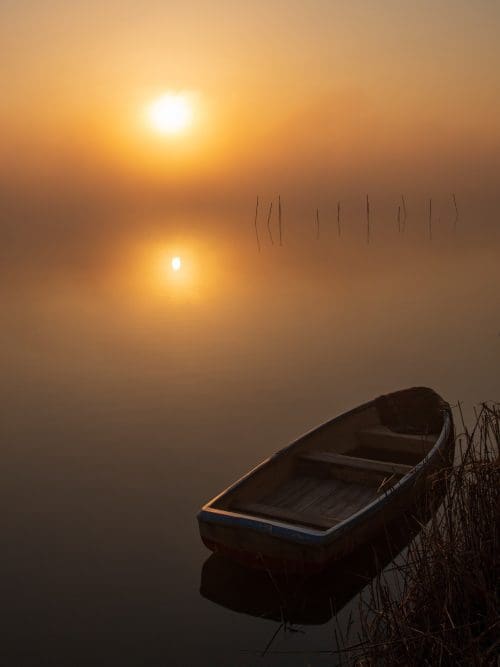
[291, 95]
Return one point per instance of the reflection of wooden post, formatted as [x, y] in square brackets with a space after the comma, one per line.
[317, 224]
[404, 212]
[430, 219]
[399, 219]
[456, 213]
[279, 219]
[255, 223]
[367, 219]
[338, 219]
[269, 223]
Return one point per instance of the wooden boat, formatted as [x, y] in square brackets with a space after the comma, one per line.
[336, 487]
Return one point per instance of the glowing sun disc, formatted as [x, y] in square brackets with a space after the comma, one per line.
[176, 263]
[171, 113]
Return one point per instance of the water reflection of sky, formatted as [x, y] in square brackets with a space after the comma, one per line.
[129, 399]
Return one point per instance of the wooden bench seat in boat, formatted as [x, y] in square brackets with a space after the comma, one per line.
[381, 437]
[379, 443]
[359, 463]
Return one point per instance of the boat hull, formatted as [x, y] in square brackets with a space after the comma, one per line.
[277, 546]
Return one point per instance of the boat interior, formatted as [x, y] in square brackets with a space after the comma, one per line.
[331, 473]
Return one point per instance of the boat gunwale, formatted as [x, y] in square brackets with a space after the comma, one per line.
[302, 534]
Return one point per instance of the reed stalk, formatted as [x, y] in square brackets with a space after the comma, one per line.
[403, 201]
[279, 220]
[367, 219]
[447, 611]
[456, 213]
[255, 223]
[269, 223]
[430, 219]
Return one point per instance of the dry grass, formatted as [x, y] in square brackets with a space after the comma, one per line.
[445, 608]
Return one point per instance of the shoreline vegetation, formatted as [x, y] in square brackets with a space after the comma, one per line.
[438, 603]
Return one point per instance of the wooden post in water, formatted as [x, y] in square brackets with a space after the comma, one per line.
[255, 223]
[367, 219]
[456, 213]
[269, 222]
[404, 212]
[339, 230]
[430, 219]
[279, 219]
[317, 224]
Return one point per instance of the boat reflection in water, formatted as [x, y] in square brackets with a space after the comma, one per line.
[302, 600]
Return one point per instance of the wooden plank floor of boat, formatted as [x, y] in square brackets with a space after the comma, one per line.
[320, 496]
[313, 502]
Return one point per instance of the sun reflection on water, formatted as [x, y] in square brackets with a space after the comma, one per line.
[177, 271]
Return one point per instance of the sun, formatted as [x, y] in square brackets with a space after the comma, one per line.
[176, 263]
[172, 113]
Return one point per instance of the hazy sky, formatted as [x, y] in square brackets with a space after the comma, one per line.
[290, 94]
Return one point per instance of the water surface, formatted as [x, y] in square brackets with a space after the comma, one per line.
[130, 397]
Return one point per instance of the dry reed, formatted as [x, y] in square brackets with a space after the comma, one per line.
[367, 219]
[269, 222]
[255, 223]
[279, 220]
[456, 213]
[430, 219]
[446, 610]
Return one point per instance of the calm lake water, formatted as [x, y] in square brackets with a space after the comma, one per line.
[130, 396]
